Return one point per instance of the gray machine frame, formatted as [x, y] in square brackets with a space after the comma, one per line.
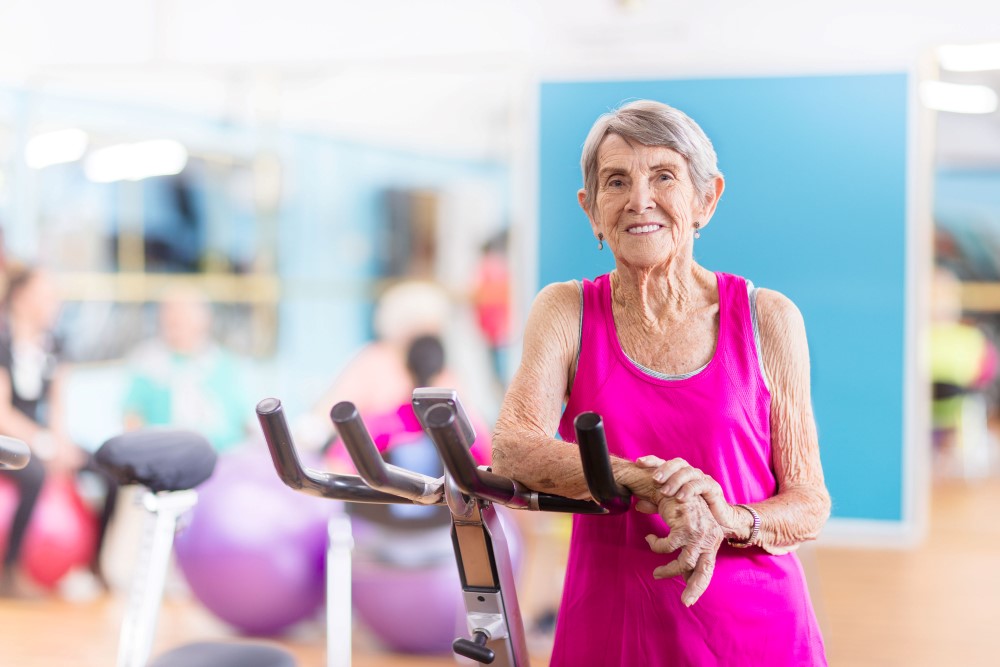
[496, 632]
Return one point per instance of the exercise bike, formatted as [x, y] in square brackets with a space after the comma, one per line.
[168, 464]
[492, 613]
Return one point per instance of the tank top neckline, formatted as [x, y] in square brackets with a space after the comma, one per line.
[637, 369]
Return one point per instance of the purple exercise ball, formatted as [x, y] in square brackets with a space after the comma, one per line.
[416, 610]
[253, 552]
[410, 611]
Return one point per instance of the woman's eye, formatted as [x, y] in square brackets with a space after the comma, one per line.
[666, 177]
[616, 183]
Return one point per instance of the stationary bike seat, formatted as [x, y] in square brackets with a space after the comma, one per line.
[222, 654]
[161, 459]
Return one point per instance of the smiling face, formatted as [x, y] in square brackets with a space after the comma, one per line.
[646, 203]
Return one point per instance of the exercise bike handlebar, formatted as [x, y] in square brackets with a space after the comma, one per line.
[597, 464]
[14, 454]
[441, 422]
[286, 461]
[373, 469]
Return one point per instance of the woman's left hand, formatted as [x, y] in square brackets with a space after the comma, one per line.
[680, 480]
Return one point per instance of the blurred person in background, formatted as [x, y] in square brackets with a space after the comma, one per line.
[184, 379]
[425, 363]
[32, 410]
[376, 379]
[491, 299]
[963, 367]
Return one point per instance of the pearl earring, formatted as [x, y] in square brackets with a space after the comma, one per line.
[697, 226]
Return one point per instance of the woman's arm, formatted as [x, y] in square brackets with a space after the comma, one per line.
[12, 421]
[48, 444]
[523, 446]
[802, 504]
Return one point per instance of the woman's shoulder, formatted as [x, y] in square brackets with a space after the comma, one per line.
[780, 322]
[775, 308]
[555, 314]
[560, 293]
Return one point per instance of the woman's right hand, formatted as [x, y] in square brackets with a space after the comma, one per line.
[697, 534]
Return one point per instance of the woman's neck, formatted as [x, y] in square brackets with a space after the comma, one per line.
[654, 294]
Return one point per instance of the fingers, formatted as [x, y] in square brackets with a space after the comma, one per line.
[673, 483]
[685, 563]
[698, 582]
[671, 569]
[667, 469]
[698, 577]
[702, 485]
[697, 534]
[646, 507]
[649, 461]
[665, 545]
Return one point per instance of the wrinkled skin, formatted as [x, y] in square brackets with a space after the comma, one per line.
[666, 311]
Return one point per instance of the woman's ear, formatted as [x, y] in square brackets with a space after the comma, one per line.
[711, 201]
[581, 196]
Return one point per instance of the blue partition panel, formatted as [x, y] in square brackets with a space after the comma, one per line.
[815, 207]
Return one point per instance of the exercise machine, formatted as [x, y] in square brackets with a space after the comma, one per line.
[496, 633]
[168, 464]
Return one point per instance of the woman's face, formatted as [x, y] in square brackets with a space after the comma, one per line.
[646, 203]
[37, 301]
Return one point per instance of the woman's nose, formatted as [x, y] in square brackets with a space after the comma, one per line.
[640, 196]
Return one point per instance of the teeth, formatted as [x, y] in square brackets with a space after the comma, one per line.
[643, 229]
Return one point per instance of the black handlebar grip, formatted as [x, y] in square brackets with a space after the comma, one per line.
[611, 495]
[371, 466]
[14, 454]
[446, 434]
[286, 461]
[475, 650]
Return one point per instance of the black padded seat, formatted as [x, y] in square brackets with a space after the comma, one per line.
[161, 459]
[221, 654]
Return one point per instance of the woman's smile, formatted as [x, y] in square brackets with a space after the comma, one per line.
[644, 229]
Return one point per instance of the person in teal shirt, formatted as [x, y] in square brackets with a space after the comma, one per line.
[184, 379]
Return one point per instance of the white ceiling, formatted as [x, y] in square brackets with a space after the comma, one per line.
[451, 74]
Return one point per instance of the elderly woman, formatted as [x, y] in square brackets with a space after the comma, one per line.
[703, 383]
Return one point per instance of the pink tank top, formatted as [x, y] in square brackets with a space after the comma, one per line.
[756, 610]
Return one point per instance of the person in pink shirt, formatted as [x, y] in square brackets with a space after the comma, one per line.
[703, 383]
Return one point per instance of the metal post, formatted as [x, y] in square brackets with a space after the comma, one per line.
[146, 595]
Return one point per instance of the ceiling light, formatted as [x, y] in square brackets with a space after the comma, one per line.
[957, 98]
[969, 57]
[57, 147]
[133, 162]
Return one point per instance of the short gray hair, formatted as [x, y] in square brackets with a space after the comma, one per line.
[652, 124]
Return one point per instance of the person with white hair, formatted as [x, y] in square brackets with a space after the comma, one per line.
[376, 378]
[702, 380]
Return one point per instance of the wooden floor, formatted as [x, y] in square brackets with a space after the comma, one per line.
[933, 606]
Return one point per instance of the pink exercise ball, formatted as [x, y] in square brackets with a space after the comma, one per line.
[62, 532]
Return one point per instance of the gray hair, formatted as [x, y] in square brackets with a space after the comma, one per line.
[652, 124]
